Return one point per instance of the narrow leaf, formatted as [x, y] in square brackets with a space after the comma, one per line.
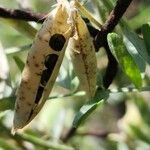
[90, 106]
[146, 36]
[139, 44]
[19, 63]
[125, 60]
[135, 55]
[21, 26]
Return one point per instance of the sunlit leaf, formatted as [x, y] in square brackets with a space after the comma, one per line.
[125, 60]
[90, 106]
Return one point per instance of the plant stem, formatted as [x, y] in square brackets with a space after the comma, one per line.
[44, 144]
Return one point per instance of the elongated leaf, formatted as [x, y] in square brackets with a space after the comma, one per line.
[19, 63]
[139, 44]
[89, 107]
[21, 26]
[125, 60]
[135, 55]
[146, 36]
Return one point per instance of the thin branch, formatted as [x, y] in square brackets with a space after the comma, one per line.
[21, 15]
[111, 22]
[112, 68]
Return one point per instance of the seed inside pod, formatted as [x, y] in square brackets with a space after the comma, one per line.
[57, 42]
[39, 94]
[50, 61]
[45, 76]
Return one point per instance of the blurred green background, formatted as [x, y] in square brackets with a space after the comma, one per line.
[123, 123]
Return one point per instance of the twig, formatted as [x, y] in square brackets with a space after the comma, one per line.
[31, 16]
[21, 15]
[111, 69]
[111, 22]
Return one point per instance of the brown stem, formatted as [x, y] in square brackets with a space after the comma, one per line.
[112, 68]
[111, 22]
[21, 15]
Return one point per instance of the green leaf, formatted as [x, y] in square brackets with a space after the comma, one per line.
[21, 26]
[135, 55]
[19, 63]
[139, 44]
[125, 60]
[7, 103]
[146, 36]
[90, 106]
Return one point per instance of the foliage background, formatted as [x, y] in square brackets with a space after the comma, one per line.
[123, 123]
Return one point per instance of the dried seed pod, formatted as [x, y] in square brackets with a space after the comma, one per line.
[42, 66]
[83, 57]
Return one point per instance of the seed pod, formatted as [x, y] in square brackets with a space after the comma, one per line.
[42, 66]
[83, 57]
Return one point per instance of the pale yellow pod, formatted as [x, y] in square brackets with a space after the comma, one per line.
[42, 66]
[83, 57]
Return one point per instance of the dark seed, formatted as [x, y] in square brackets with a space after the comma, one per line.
[57, 42]
[30, 115]
[39, 94]
[50, 61]
[45, 76]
